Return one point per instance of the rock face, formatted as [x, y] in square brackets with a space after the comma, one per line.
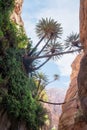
[70, 109]
[7, 124]
[16, 14]
[83, 23]
[82, 77]
[73, 118]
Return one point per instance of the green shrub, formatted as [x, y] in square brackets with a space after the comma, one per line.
[6, 6]
[18, 101]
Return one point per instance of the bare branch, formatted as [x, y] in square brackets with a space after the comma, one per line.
[52, 103]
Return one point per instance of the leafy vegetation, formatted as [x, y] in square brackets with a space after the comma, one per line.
[18, 100]
[16, 96]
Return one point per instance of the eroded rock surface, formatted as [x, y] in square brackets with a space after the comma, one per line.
[16, 14]
[69, 120]
[83, 23]
[82, 77]
[71, 108]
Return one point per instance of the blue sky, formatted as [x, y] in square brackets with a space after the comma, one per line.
[65, 12]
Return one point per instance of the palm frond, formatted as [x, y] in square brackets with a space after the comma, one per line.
[43, 77]
[53, 48]
[72, 41]
[48, 27]
[56, 76]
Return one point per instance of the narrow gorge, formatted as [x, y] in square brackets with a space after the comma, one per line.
[74, 110]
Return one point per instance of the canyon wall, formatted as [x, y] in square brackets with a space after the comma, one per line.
[81, 123]
[83, 23]
[82, 77]
[74, 115]
[71, 108]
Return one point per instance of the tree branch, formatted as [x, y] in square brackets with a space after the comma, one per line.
[52, 103]
[42, 64]
[50, 55]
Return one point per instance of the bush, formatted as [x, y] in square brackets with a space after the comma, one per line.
[18, 101]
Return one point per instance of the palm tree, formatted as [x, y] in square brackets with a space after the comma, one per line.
[47, 29]
[72, 44]
[41, 81]
[52, 48]
[73, 41]
[42, 84]
[56, 77]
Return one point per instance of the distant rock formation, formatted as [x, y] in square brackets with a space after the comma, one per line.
[55, 95]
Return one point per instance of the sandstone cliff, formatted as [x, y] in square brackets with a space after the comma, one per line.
[71, 108]
[81, 123]
[82, 76]
[83, 23]
[16, 14]
[74, 116]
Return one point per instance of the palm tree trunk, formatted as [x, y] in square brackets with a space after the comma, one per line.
[43, 47]
[36, 46]
[42, 64]
[38, 87]
[55, 54]
[41, 92]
